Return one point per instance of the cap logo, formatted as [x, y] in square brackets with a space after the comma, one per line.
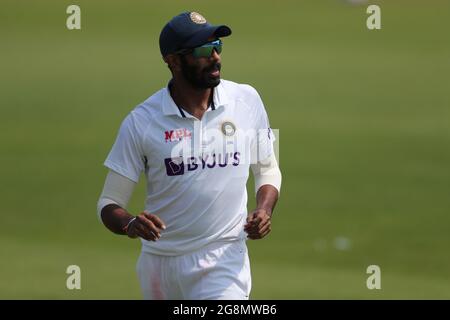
[197, 18]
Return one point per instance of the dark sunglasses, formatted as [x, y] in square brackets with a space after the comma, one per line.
[204, 51]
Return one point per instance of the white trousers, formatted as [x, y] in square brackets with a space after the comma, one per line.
[218, 271]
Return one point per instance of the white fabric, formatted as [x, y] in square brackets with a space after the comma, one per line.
[103, 202]
[219, 271]
[196, 171]
[117, 190]
[267, 172]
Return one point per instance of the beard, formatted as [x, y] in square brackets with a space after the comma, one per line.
[200, 78]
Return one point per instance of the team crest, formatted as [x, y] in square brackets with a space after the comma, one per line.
[197, 18]
[228, 128]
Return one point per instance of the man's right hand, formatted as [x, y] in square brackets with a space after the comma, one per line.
[147, 226]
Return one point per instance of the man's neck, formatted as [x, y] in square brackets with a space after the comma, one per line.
[193, 100]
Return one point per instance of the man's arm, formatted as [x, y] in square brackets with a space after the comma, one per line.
[115, 196]
[115, 218]
[268, 185]
[145, 225]
[267, 198]
[259, 221]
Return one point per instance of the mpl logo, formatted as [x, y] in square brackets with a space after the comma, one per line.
[177, 134]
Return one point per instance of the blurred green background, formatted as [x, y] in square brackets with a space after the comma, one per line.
[364, 119]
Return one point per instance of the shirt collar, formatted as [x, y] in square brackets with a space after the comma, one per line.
[220, 99]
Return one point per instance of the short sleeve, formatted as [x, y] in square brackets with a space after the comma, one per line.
[264, 138]
[126, 156]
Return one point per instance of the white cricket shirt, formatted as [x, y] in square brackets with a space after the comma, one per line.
[196, 170]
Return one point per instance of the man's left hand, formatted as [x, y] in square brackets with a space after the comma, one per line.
[258, 224]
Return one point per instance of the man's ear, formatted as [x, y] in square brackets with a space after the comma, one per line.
[173, 62]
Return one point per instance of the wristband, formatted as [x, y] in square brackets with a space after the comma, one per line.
[125, 229]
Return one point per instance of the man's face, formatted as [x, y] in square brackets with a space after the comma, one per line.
[201, 73]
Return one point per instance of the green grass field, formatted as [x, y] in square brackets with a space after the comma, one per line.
[364, 119]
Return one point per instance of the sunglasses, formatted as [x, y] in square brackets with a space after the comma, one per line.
[204, 51]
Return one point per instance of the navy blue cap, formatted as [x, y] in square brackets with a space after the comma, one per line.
[188, 30]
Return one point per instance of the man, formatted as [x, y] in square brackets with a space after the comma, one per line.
[195, 140]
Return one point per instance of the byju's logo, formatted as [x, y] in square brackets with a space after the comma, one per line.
[174, 166]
